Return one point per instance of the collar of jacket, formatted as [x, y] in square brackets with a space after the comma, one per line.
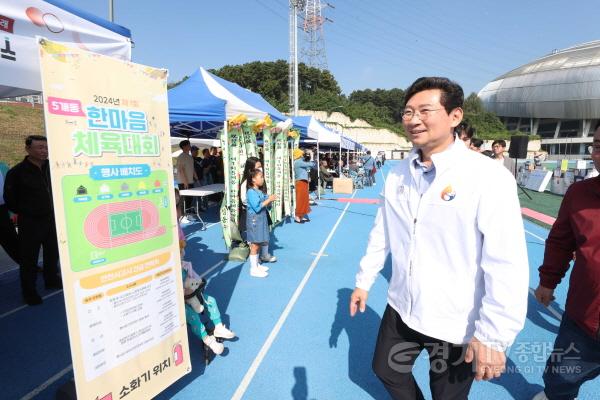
[444, 160]
[30, 164]
[595, 185]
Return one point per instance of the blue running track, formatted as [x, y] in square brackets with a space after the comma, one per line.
[296, 339]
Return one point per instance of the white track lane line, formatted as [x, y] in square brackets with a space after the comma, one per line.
[68, 369]
[6, 314]
[535, 236]
[550, 308]
[49, 382]
[284, 315]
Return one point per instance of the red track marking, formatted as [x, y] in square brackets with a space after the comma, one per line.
[538, 216]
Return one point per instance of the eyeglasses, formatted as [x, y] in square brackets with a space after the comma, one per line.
[408, 115]
[594, 149]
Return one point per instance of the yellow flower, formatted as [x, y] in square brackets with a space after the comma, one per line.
[263, 124]
[237, 121]
[293, 133]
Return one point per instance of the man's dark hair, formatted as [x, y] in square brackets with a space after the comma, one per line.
[500, 142]
[31, 138]
[465, 128]
[597, 125]
[369, 152]
[452, 94]
[195, 148]
[184, 143]
[477, 143]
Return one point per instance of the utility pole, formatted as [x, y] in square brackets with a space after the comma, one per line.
[295, 7]
[111, 11]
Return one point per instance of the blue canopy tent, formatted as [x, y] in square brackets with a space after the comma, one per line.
[199, 106]
[240, 100]
[193, 110]
[311, 128]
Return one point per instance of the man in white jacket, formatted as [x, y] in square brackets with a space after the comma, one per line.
[450, 219]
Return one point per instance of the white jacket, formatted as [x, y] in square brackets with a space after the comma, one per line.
[459, 257]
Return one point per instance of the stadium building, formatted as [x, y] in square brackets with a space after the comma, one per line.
[556, 97]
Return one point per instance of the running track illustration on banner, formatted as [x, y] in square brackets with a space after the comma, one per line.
[111, 231]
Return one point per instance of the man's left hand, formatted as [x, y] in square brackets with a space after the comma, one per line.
[489, 363]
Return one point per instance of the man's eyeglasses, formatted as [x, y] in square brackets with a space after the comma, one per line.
[408, 115]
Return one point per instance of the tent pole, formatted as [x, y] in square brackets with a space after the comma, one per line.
[340, 158]
[348, 159]
[318, 172]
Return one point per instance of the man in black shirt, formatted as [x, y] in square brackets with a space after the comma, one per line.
[28, 193]
[197, 163]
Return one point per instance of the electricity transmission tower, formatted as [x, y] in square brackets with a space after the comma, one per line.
[313, 50]
[295, 7]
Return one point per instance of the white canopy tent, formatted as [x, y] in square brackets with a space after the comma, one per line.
[22, 21]
[323, 135]
[239, 100]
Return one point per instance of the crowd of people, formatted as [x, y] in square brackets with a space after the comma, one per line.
[195, 171]
[466, 134]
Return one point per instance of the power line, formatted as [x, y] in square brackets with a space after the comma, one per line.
[383, 21]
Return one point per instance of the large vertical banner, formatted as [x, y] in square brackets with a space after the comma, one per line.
[108, 138]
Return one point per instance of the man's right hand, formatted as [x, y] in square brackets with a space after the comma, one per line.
[358, 301]
[544, 295]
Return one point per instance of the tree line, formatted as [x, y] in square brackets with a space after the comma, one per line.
[319, 91]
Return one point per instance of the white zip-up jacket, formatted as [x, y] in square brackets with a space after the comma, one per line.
[459, 256]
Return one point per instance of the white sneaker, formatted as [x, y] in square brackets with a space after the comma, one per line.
[212, 344]
[222, 332]
[185, 220]
[268, 258]
[258, 273]
[262, 267]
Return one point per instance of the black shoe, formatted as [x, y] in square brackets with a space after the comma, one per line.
[33, 299]
[299, 222]
[305, 219]
[54, 284]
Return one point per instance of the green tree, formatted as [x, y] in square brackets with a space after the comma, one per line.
[319, 91]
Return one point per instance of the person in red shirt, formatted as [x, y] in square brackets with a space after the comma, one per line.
[576, 355]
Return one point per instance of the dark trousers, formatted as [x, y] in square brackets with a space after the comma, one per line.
[398, 346]
[8, 235]
[36, 232]
[574, 361]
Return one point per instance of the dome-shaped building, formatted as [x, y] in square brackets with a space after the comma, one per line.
[556, 97]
